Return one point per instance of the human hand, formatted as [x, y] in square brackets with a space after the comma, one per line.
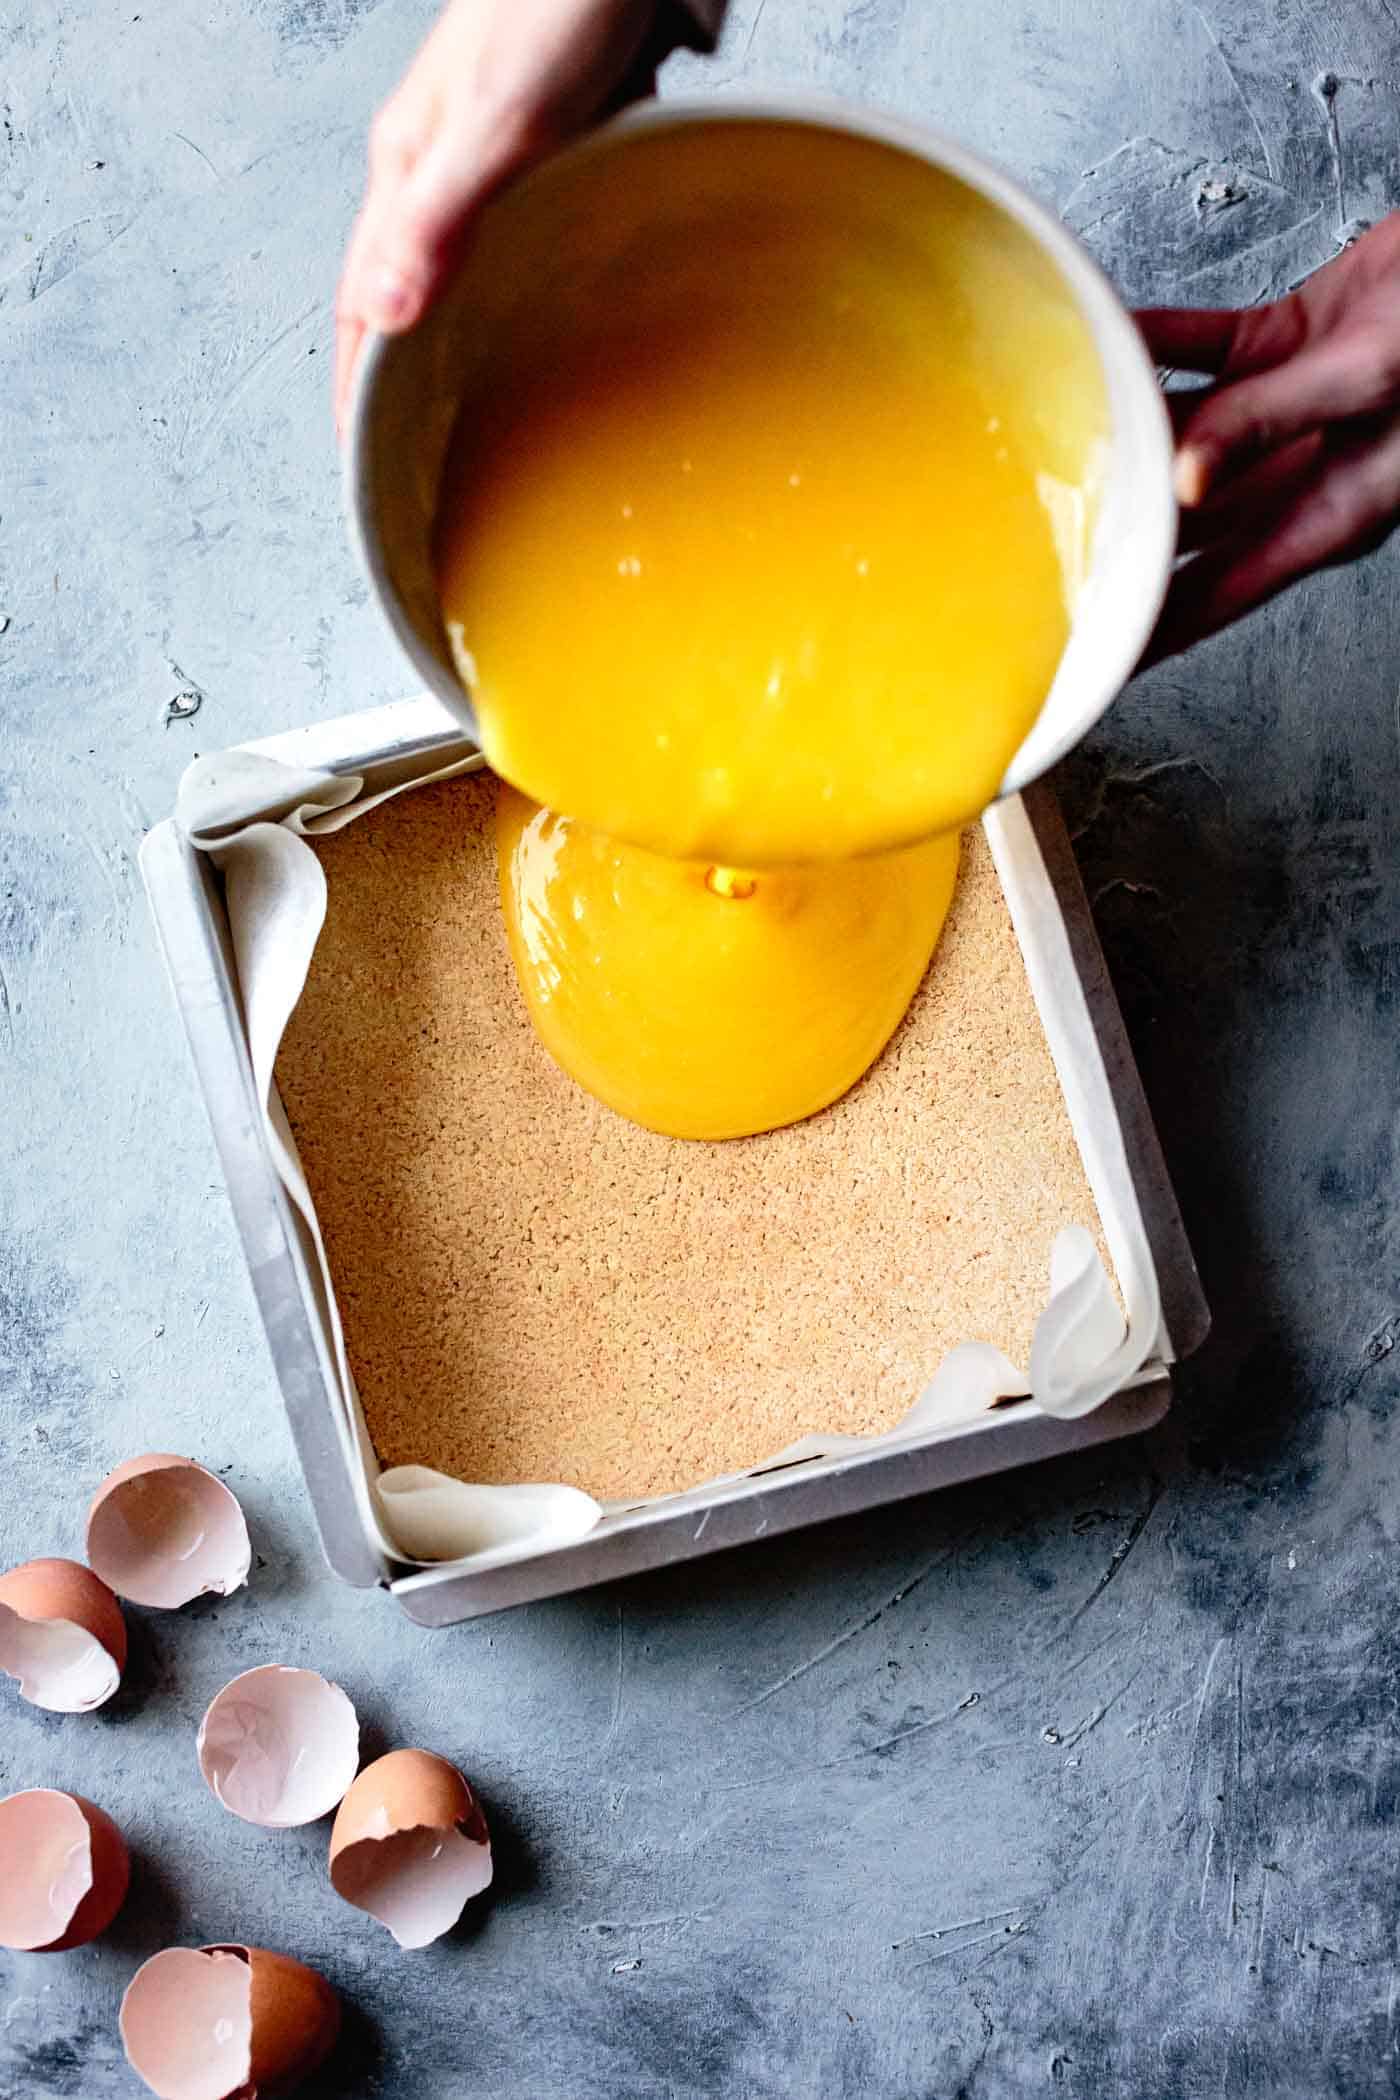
[498, 84]
[1289, 461]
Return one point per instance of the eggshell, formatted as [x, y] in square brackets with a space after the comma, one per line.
[209, 2023]
[279, 1746]
[65, 1871]
[410, 1845]
[62, 1635]
[161, 1530]
[296, 2018]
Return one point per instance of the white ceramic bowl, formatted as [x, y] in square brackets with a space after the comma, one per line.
[408, 391]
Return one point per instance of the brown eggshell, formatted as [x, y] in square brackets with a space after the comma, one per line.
[226, 2022]
[410, 1845]
[58, 1846]
[296, 2019]
[162, 1530]
[62, 1595]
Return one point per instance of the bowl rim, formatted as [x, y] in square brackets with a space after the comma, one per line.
[1126, 363]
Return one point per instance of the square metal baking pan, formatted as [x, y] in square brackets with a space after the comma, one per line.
[1107, 1110]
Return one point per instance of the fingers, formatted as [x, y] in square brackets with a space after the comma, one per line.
[1189, 339]
[494, 87]
[1223, 341]
[1289, 458]
[367, 298]
[1230, 346]
[349, 324]
[491, 91]
[1342, 378]
[380, 267]
[1348, 508]
[1254, 500]
[349, 335]
[423, 190]
[397, 138]
[412, 246]
[1181, 404]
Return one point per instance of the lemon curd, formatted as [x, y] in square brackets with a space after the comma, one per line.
[758, 562]
[713, 1002]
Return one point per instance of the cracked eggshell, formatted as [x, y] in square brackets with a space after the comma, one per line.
[279, 1746]
[66, 1871]
[410, 1845]
[62, 1635]
[162, 1531]
[212, 2023]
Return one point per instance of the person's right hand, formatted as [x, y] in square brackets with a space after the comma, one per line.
[497, 84]
[1289, 461]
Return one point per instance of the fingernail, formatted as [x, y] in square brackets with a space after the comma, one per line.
[389, 299]
[1192, 476]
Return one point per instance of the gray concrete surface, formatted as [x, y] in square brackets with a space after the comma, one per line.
[757, 1837]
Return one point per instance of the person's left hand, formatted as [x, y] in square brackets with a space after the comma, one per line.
[1289, 461]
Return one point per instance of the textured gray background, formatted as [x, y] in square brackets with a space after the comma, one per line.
[757, 1837]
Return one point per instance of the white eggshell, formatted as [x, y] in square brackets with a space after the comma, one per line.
[161, 1531]
[279, 1746]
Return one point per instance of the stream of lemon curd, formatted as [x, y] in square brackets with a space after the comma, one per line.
[758, 564]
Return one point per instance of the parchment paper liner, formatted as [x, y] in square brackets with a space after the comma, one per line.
[253, 815]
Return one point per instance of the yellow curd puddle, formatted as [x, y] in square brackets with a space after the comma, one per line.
[712, 1003]
[760, 566]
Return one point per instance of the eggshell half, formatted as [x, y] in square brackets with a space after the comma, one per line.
[279, 1746]
[296, 2018]
[62, 1635]
[208, 2023]
[161, 1531]
[65, 1871]
[410, 1845]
